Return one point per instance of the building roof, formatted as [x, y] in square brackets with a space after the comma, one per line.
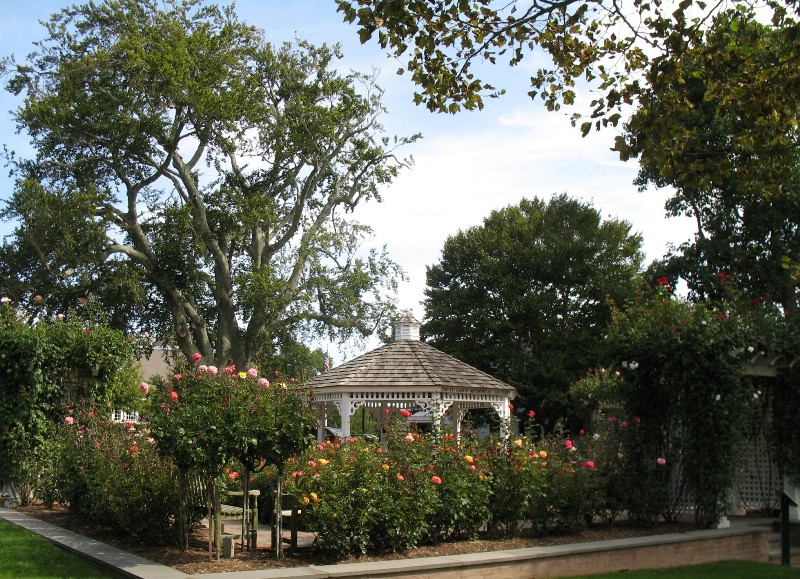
[409, 364]
[158, 363]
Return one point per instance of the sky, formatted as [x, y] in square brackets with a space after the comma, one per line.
[465, 166]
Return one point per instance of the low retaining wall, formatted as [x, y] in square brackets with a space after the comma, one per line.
[657, 551]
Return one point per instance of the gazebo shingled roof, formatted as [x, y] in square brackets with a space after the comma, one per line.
[408, 364]
[409, 373]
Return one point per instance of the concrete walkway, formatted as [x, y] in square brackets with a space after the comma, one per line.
[123, 564]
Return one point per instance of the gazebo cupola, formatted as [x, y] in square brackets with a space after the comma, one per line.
[406, 328]
[410, 374]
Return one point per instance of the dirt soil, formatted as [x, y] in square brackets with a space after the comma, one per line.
[195, 561]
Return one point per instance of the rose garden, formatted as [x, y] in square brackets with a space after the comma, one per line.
[663, 427]
[179, 175]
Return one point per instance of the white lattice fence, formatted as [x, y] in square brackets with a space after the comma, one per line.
[759, 484]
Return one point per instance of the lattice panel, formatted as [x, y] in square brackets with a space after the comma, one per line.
[759, 483]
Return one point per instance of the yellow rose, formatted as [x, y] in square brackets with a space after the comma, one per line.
[323, 461]
[304, 501]
[542, 454]
[385, 466]
[518, 442]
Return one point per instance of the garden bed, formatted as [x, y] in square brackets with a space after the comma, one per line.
[195, 560]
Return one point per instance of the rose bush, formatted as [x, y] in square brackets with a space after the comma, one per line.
[204, 418]
[361, 497]
[45, 362]
[680, 367]
[110, 472]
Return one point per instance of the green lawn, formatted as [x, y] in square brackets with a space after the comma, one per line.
[724, 570]
[25, 555]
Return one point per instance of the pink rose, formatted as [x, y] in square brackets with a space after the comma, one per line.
[263, 382]
[173, 395]
[144, 388]
[212, 370]
[202, 368]
[589, 464]
[436, 480]
[68, 420]
[568, 443]
[661, 461]
[196, 357]
[177, 376]
[252, 373]
[405, 413]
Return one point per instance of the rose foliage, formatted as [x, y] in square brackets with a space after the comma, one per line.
[204, 418]
[46, 362]
[688, 371]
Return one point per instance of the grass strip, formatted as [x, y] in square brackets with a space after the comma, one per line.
[24, 554]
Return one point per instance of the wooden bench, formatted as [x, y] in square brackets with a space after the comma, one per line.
[197, 499]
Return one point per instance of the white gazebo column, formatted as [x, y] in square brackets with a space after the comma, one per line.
[503, 409]
[436, 409]
[322, 420]
[345, 410]
[457, 415]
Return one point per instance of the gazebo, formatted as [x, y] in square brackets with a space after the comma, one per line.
[410, 374]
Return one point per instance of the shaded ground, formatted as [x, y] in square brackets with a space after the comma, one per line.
[196, 559]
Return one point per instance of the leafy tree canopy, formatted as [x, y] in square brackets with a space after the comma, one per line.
[523, 297]
[179, 150]
[718, 123]
[444, 44]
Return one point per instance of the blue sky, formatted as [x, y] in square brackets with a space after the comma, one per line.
[465, 166]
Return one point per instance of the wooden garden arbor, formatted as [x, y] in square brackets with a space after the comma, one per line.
[410, 374]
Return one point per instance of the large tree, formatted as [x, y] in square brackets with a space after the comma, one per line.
[524, 296]
[174, 141]
[445, 44]
[730, 149]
